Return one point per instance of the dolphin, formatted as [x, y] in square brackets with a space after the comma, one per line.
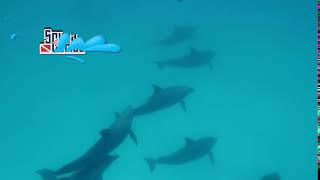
[194, 58]
[178, 35]
[192, 150]
[163, 98]
[110, 139]
[14, 36]
[89, 172]
[272, 176]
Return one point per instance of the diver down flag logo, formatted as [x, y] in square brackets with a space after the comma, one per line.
[45, 48]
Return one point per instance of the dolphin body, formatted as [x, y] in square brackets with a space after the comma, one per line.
[110, 139]
[272, 176]
[178, 35]
[195, 58]
[90, 172]
[163, 98]
[193, 149]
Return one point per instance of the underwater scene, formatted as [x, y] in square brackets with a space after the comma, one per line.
[158, 90]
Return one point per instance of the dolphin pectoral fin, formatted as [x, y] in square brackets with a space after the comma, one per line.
[47, 174]
[211, 158]
[133, 137]
[157, 89]
[72, 166]
[152, 163]
[183, 105]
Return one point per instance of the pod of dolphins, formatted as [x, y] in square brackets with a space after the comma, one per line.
[93, 163]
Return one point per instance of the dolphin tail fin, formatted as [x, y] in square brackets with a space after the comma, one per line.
[133, 137]
[152, 163]
[160, 65]
[47, 174]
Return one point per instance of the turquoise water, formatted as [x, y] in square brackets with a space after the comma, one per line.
[259, 99]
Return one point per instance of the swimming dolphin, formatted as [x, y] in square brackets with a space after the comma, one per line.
[272, 176]
[110, 139]
[194, 58]
[90, 172]
[178, 35]
[14, 36]
[163, 98]
[193, 149]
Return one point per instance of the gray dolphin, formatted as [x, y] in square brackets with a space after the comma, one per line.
[163, 98]
[90, 172]
[110, 139]
[193, 149]
[272, 176]
[178, 35]
[194, 58]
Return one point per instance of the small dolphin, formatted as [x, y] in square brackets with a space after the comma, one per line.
[14, 36]
[163, 98]
[110, 139]
[194, 58]
[90, 172]
[193, 150]
[178, 35]
[272, 176]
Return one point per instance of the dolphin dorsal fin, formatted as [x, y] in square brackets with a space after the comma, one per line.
[105, 132]
[117, 115]
[157, 89]
[189, 141]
